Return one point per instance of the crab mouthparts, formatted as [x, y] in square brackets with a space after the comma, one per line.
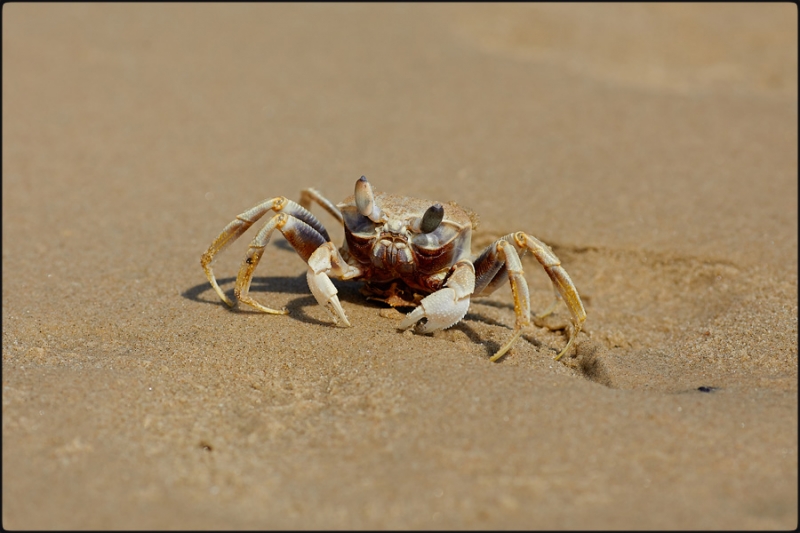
[393, 238]
[392, 251]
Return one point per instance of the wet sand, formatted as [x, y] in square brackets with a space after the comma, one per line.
[653, 147]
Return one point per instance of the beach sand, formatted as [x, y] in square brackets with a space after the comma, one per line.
[653, 147]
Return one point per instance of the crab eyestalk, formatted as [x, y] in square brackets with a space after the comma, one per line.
[431, 219]
[365, 201]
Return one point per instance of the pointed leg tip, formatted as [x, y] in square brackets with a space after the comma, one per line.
[264, 309]
[566, 348]
[496, 356]
[502, 351]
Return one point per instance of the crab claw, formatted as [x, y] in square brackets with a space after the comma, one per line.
[325, 261]
[446, 306]
[324, 291]
[442, 309]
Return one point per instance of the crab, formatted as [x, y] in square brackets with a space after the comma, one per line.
[408, 252]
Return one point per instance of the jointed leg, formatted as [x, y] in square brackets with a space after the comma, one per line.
[519, 288]
[498, 258]
[300, 235]
[561, 281]
[320, 255]
[496, 264]
[502, 256]
[242, 223]
[312, 195]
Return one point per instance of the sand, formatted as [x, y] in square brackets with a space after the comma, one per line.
[654, 147]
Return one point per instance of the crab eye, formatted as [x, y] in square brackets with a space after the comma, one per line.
[365, 201]
[432, 218]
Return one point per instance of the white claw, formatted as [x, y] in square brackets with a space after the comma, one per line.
[324, 291]
[323, 263]
[442, 309]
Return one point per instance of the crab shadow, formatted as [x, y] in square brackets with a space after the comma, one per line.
[489, 346]
[204, 293]
[348, 292]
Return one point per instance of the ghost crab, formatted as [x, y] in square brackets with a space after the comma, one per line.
[409, 252]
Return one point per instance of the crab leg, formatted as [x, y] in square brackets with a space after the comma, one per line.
[519, 288]
[300, 235]
[561, 281]
[242, 223]
[498, 257]
[446, 306]
[313, 195]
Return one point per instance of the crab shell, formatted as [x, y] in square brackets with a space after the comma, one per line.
[400, 265]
